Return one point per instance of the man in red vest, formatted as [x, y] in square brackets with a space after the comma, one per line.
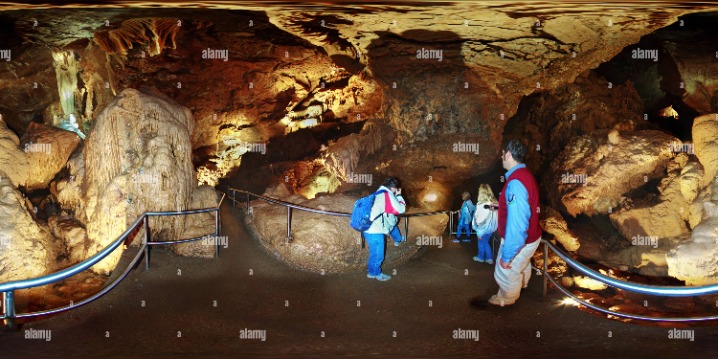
[518, 225]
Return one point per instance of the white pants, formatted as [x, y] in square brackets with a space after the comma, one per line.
[511, 280]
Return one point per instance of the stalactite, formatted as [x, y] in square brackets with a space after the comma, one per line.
[158, 33]
[66, 73]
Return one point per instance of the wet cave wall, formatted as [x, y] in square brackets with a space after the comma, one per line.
[102, 107]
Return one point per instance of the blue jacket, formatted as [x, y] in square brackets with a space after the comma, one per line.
[517, 221]
[467, 212]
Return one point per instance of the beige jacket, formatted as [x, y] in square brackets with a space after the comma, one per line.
[385, 221]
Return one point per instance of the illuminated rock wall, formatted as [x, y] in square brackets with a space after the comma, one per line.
[48, 148]
[137, 159]
[27, 249]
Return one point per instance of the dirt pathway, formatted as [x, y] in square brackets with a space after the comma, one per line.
[187, 307]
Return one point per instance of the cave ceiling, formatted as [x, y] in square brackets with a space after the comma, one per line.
[502, 51]
[504, 41]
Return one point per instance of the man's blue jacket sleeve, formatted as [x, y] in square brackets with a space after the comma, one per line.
[517, 221]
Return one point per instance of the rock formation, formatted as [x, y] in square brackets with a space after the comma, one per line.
[327, 244]
[73, 235]
[594, 172]
[553, 223]
[200, 225]
[696, 260]
[155, 32]
[342, 157]
[705, 132]
[48, 148]
[137, 159]
[668, 217]
[27, 249]
[13, 161]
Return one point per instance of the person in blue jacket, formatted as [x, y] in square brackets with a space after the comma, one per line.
[518, 225]
[465, 217]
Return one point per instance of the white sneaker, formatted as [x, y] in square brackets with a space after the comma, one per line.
[496, 300]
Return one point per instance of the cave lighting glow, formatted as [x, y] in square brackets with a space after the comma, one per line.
[296, 125]
[569, 301]
[430, 197]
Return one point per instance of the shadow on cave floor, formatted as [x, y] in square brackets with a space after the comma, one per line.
[191, 307]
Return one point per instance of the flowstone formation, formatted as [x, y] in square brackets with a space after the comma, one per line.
[27, 249]
[136, 159]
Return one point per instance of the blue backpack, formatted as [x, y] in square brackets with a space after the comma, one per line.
[361, 214]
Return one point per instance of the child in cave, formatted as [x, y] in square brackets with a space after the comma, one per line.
[387, 205]
[485, 223]
[467, 213]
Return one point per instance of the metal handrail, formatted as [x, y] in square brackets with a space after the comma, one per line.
[291, 206]
[104, 291]
[319, 211]
[75, 269]
[8, 288]
[670, 291]
[627, 315]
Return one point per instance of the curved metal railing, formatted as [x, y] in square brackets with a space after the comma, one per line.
[671, 291]
[8, 288]
[291, 206]
[658, 290]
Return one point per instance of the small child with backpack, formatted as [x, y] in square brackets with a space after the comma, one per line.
[485, 223]
[376, 215]
[465, 216]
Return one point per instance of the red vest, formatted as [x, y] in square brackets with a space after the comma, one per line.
[527, 179]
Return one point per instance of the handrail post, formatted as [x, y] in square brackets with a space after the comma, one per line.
[147, 242]
[234, 197]
[216, 233]
[406, 228]
[451, 223]
[545, 269]
[8, 308]
[247, 204]
[289, 224]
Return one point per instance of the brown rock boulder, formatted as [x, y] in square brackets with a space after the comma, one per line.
[327, 244]
[48, 148]
[201, 225]
[595, 171]
[73, 234]
[705, 133]
[27, 249]
[552, 222]
[13, 161]
[668, 217]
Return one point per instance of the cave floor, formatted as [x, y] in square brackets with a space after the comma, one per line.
[198, 308]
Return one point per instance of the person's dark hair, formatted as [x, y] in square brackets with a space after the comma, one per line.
[390, 182]
[517, 149]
